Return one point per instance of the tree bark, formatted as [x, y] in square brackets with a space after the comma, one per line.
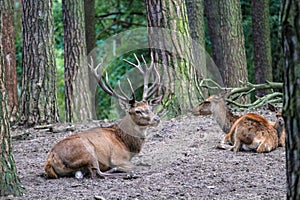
[89, 18]
[77, 91]
[195, 11]
[171, 46]
[226, 34]
[38, 97]
[90, 38]
[9, 180]
[9, 55]
[261, 43]
[290, 20]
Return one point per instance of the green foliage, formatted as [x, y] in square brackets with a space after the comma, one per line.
[59, 57]
[115, 16]
[277, 57]
[112, 18]
[60, 83]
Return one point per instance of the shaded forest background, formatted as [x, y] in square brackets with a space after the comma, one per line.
[117, 16]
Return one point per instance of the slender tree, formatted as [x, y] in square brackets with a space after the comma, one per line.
[89, 18]
[77, 91]
[261, 43]
[10, 59]
[195, 11]
[9, 180]
[226, 34]
[38, 97]
[291, 46]
[171, 46]
[90, 38]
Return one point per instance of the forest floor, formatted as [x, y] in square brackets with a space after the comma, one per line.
[178, 161]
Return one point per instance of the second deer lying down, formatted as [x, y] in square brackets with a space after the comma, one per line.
[254, 132]
[108, 149]
[216, 106]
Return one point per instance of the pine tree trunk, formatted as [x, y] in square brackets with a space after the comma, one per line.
[195, 11]
[225, 29]
[9, 55]
[9, 181]
[38, 97]
[291, 47]
[90, 38]
[171, 46]
[261, 43]
[77, 91]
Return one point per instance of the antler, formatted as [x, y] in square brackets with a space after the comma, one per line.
[148, 91]
[107, 88]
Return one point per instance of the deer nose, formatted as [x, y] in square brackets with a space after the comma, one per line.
[281, 122]
[156, 119]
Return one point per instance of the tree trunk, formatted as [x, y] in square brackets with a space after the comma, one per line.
[9, 180]
[261, 43]
[77, 91]
[226, 34]
[171, 46]
[90, 38]
[290, 20]
[38, 97]
[195, 11]
[89, 18]
[9, 55]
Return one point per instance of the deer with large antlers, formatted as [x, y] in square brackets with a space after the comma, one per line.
[101, 151]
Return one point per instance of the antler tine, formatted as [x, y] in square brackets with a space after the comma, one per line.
[155, 84]
[105, 85]
[138, 66]
[132, 91]
[148, 92]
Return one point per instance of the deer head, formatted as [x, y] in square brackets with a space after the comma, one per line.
[140, 112]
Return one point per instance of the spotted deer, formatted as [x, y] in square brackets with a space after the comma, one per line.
[254, 132]
[101, 151]
[216, 106]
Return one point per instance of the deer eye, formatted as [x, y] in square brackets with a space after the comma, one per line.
[139, 112]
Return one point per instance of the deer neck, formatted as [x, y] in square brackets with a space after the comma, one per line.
[279, 128]
[223, 116]
[132, 135]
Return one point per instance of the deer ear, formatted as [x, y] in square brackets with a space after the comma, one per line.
[155, 101]
[272, 108]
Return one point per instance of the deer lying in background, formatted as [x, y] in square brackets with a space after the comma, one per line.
[101, 150]
[254, 132]
[216, 106]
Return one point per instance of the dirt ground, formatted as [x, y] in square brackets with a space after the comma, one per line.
[178, 161]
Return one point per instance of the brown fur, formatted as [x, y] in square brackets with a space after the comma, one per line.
[101, 149]
[254, 132]
[216, 106]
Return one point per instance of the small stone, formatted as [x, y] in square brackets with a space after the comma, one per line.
[78, 175]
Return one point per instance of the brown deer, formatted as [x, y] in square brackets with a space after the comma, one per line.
[100, 151]
[254, 132]
[216, 106]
